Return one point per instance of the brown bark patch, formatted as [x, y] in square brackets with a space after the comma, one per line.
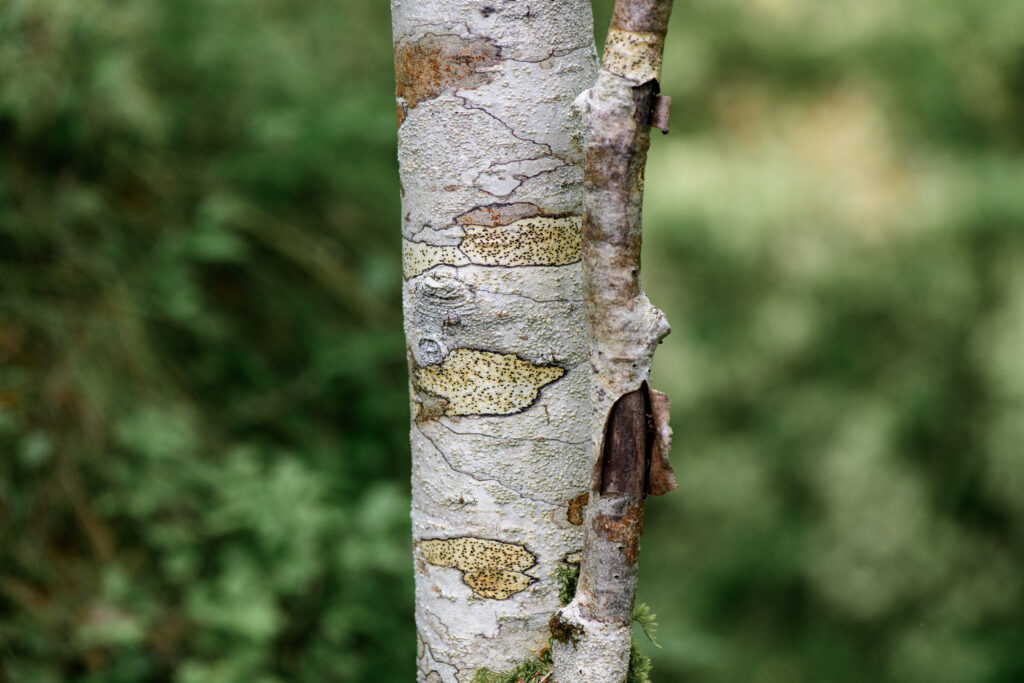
[625, 530]
[574, 512]
[427, 67]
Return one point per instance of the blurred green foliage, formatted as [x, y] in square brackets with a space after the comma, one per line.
[203, 413]
[835, 228]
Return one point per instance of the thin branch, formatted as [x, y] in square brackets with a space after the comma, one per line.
[629, 421]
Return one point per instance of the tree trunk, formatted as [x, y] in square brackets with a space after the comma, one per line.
[491, 157]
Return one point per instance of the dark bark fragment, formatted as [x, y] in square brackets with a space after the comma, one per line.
[636, 445]
[623, 466]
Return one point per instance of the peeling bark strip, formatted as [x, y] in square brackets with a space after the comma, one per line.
[491, 169]
[629, 422]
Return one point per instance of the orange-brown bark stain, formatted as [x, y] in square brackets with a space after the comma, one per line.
[427, 67]
[574, 512]
[626, 529]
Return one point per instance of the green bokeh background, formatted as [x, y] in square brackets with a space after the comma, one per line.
[203, 411]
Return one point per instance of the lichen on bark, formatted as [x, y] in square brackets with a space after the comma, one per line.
[494, 317]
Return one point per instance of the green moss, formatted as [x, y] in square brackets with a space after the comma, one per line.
[530, 671]
[563, 631]
[568, 576]
[639, 666]
[533, 670]
[643, 616]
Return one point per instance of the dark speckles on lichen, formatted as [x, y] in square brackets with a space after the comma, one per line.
[534, 241]
[475, 554]
[635, 55]
[538, 241]
[497, 584]
[474, 382]
[492, 569]
[418, 257]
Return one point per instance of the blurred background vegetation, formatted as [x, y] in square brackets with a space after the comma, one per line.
[203, 413]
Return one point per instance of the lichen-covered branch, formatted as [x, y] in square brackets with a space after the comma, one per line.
[629, 432]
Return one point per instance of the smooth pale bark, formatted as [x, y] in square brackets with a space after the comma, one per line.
[490, 155]
[629, 422]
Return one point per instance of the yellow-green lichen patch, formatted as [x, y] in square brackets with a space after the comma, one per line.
[475, 554]
[485, 383]
[531, 241]
[537, 241]
[635, 55]
[418, 257]
[492, 569]
[497, 584]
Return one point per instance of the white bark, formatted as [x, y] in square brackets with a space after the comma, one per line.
[491, 171]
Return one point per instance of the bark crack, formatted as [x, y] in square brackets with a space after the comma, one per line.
[479, 478]
[512, 179]
[512, 438]
[510, 129]
[557, 300]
